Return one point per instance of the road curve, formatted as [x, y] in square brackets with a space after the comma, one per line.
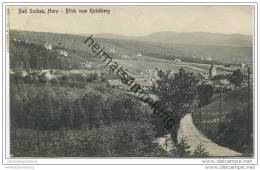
[195, 137]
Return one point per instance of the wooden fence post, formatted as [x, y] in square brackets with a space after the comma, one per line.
[220, 103]
[206, 119]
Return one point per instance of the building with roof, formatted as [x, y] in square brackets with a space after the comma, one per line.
[139, 55]
[48, 46]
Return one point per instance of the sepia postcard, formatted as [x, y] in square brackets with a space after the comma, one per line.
[130, 81]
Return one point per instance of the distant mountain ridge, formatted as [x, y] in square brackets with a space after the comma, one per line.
[110, 35]
[191, 38]
[190, 47]
[201, 38]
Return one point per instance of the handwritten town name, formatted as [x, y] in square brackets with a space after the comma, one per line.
[63, 11]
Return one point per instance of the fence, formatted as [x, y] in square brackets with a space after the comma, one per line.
[207, 120]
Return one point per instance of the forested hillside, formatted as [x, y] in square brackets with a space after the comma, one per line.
[50, 119]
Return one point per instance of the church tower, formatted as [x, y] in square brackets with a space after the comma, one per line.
[212, 70]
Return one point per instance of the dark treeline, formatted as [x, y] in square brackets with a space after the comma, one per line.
[32, 56]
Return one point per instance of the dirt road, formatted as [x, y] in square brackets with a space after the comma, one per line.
[188, 129]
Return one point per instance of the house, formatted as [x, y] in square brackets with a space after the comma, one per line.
[176, 60]
[47, 74]
[86, 65]
[223, 84]
[34, 74]
[145, 83]
[24, 73]
[56, 76]
[242, 65]
[224, 81]
[62, 52]
[208, 82]
[171, 74]
[11, 71]
[209, 58]
[114, 83]
[139, 55]
[204, 75]
[124, 56]
[48, 46]
[148, 71]
[112, 50]
[27, 42]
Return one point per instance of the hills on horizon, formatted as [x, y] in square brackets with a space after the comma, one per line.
[225, 48]
[198, 38]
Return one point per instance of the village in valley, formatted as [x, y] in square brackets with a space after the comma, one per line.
[205, 73]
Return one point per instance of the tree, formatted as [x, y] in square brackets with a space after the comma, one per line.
[205, 92]
[237, 134]
[200, 151]
[87, 112]
[237, 78]
[182, 149]
[126, 108]
[43, 112]
[177, 93]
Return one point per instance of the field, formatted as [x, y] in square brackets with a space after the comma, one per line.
[138, 66]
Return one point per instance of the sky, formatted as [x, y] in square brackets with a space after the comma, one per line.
[136, 20]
